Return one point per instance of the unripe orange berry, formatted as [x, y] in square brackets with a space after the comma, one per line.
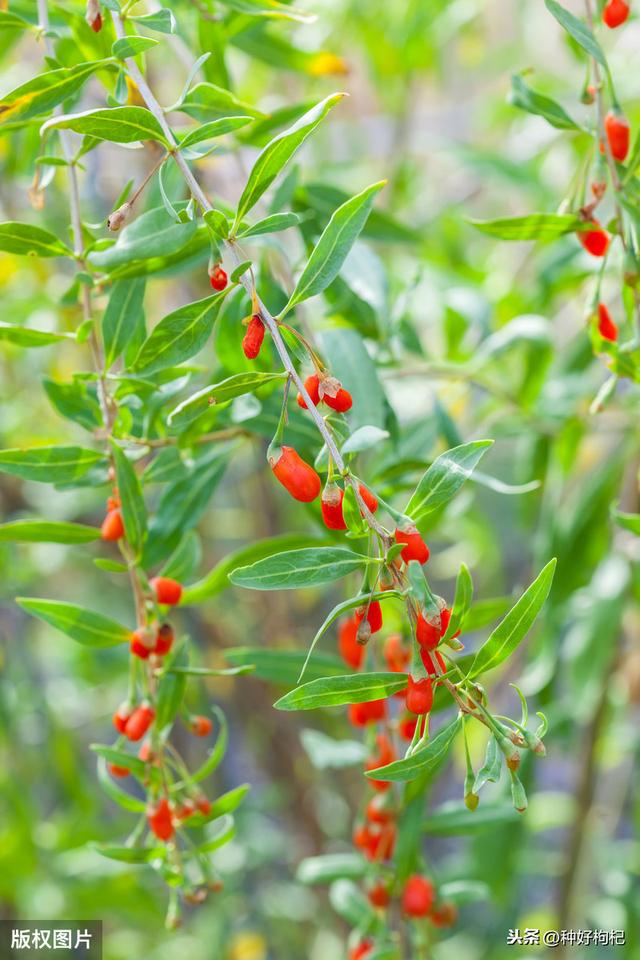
[201, 726]
[112, 526]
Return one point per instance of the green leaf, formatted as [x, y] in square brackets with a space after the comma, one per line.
[515, 626]
[350, 903]
[50, 464]
[180, 335]
[428, 759]
[162, 21]
[134, 512]
[75, 402]
[121, 758]
[461, 601]
[171, 688]
[121, 797]
[44, 92]
[235, 386]
[27, 337]
[336, 691]
[84, 626]
[335, 242]
[153, 234]
[117, 124]
[123, 320]
[206, 99]
[129, 854]
[284, 666]
[298, 568]
[444, 477]
[228, 802]
[453, 819]
[329, 867]
[327, 753]
[47, 531]
[126, 47]
[578, 30]
[27, 240]
[491, 768]
[535, 226]
[628, 521]
[216, 128]
[350, 361]
[277, 153]
[364, 438]
[271, 224]
[269, 8]
[527, 99]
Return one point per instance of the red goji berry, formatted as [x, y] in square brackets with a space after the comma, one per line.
[407, 727]
[139, 721]
[595, 240]
[428, 634]
[331, 507]
[615, 13]
[252, 340]
[618, 134]
[121, 716]
[444, 915]
[606, 327]
[418, 896]
[374, 615]
[311, 385]
[160, 819]
[218, 278]
[350, 650]
[200, 726]
[429, 664]
[379, 895]
[419, 696]
[360, 714]
[112, 526]
[378, 811]
[370, 500]
[117, 771]
[167, 591]
[203, 805]
[342, 401]
[416, 548]
[164, 639]
[143, 641]
[362, 950]
[396, 656]
[296, 476]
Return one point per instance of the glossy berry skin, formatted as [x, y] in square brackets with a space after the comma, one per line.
[139, 722]
[370, 500]
[415, 549]
[362, 951]
[331, 507]
[96, 23]
[117, 771]
[444, 915]
[374, 615]
[252, 340]
[201, 726]
[342, 401]
[160, 820]
[142, 643]
[445, 620]
[418, 896]
[617, 129]
[167, 591]
[112, 526]
[615, 13]
[360, 714]
[595, 241]
[218, 278]
[606, 327]
[419, 696]
[379, 896]
[427, 634]
[296, 476]
[429, 664]
[121, 716]
[311, 385]
[350, 650]
[164, 640]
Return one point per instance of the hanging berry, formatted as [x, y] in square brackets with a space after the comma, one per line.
[362, 950]
[112, 526]
[379, 896]
[429, 663]
[350, 650]
[167, 591]
[418, 896]
[360, 714]
[428, 633]
[218, 278]
[373, 615]
[311, 385]
[93, 15]
[419, 696]
[407, 727]
[369, 499]
[143, 641]
[164, 639]
[595, 240]
[615, 13]
[139, 721]
[200, 726]
[616, 127]
[160, 819]
[117, 771]
[341, 401]
[252, 340]
[606, 327]
[416, 548]
[121, 717]
[395, 653]
[331, 507]
[296, 476]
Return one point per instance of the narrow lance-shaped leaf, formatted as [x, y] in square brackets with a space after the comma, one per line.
[47, 531]
[44, 92]
[217, 393]
[444, 477]
[336, 691]
[578, 30]
[299, 568]
[534, 226]
[428, 759]
[180, 335]
[278, 152]
[117, 124]
[84, 626]
[335, 242]
[131, 46]
[26, 240]
[123, 319]
[515, 626]
[461, 601]
[28, 337]
[271, 224]
[525, 98]
[50, 464]
[269, 8]
[134, 513]
[215, 128]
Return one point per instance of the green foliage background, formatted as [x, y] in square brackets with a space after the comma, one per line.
[471, 338]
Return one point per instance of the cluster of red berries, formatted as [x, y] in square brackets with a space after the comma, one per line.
[325, 389]
[418, 902]
[614, 13]
[163, 816]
